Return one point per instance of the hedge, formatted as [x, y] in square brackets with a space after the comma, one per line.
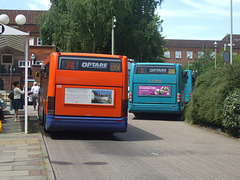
[231, 113]
[210, 91]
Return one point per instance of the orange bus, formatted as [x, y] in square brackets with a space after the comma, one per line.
[82, 91]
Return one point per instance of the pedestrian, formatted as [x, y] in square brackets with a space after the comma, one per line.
[35, 94]
[2, 106]
[17, 102]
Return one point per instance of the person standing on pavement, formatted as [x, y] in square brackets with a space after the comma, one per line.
[35, 94]
[2, 106]
[17, 102]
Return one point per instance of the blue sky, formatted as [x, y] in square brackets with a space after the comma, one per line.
[25, 4]
[199, 19]
[183, 19]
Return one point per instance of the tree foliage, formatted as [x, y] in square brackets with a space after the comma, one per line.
[208, 105]
[86, 26]
[231, 113]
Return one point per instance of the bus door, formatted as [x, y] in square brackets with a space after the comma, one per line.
[89, 87]
[155, 84]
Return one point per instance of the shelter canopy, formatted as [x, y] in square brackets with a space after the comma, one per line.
[13, 38]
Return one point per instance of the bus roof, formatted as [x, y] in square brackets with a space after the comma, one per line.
[150, 63]
[87, 54]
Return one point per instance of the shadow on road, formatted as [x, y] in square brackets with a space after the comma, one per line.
[168, 117]
[133, 134]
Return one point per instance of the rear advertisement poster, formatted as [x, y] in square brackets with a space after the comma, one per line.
[88, 96]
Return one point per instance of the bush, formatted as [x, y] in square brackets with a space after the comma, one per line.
[210, 92]
[231, 113]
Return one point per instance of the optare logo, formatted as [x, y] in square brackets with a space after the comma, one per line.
[155, 70]
[94, 65]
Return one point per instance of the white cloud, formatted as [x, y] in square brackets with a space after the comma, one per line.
[45, 3]
[34, 7]
[39, 5]
[196, 9]
[172, 13]
[191, 3]
[198, 19]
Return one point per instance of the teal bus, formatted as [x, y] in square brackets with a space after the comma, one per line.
[156, 88]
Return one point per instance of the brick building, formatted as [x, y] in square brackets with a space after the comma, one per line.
[15, 54]
[179, 51]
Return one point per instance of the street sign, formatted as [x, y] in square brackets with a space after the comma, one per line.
[226, 56]
[2, 29]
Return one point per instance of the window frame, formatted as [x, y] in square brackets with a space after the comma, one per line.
[178, 54]
[39, 41]
[167, 54]
[31, 41]
[23, 66]
[200, 54]
[190, 53]
[3, 63]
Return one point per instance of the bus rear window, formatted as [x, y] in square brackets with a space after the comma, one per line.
[82, 63]
[155, 69]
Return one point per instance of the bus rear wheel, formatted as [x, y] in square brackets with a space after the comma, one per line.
[137, 115]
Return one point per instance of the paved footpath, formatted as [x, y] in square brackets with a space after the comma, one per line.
[23, 156]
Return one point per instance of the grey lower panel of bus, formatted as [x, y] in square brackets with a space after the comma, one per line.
[155, 108]
[95, 124]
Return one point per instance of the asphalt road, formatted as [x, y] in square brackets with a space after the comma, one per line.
[152, 149]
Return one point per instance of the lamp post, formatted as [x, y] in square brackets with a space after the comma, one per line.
[188, 57]
[33, 57]
[231, 44]
[21, 20]
[215, 46]
[114, 20]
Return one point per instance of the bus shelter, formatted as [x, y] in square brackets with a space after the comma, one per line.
[18, 40]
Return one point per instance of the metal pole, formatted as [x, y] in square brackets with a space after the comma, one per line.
[114, 20]
[26, 84]
[215, 57]
[231, 33]
[11, 77]
[112, 40]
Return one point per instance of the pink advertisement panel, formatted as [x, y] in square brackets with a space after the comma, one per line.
[154, 90]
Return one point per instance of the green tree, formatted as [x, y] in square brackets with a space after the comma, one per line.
[85, 26]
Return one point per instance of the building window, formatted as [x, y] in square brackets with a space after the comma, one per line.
[212, 55]
[167, 54]
[200, 54]
[189, 54]
[7, 59]
[21, 64]
[38, 63]
[178, 54]
[39, 41]
[31, 41]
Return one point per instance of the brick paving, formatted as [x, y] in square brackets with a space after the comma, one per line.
[23, 156]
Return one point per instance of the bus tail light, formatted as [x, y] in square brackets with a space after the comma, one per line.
[51, 105]
[130, 97]
[190, 95]
[178, 97]
[124, 107]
